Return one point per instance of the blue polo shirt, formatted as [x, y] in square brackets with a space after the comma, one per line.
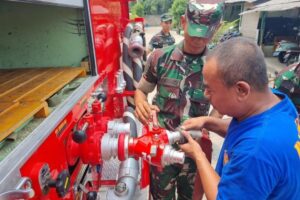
[260, 157]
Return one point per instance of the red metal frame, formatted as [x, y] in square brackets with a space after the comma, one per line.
[107, 25]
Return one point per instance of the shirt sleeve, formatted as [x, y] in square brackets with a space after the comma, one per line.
[173, 40]
[150, 46]
[149, 78]
[247, 177]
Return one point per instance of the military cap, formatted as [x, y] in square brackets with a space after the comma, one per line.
[203, 18]
[165, 17]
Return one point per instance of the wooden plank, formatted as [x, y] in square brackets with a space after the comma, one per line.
[6, 75]
[24, 95]
[10, 121]
[34, 83]
[7, 106]
[53, 85]
[20, 78]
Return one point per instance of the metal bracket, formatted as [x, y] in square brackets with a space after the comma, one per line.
[22, 191]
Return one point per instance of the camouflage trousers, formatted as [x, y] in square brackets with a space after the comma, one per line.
[164, 182]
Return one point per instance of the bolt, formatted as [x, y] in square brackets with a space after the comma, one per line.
[155, 137]
[121, 188]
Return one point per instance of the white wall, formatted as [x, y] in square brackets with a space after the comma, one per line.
[249, 25]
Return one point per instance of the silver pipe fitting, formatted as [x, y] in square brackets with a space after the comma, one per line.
[129, 169]
[114, 128]
[127, 181]
[120, 82]
[171, 156]
[109, 147]
[176, 136]
[136, 48]
[138, 27]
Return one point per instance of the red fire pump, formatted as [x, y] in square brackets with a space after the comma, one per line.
[92, 144]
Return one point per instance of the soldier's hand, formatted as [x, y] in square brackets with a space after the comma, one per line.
[143, 111]
[196, 123]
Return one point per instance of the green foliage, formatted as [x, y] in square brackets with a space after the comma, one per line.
[177, 10]
[156, 7]
[225, 27]
[137, 10]
[132, 16]
[150, 7]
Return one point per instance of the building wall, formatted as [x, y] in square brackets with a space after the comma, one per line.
[40, 36]
[249, 25]
[249, 22]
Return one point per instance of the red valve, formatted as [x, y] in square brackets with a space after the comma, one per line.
[153, 147]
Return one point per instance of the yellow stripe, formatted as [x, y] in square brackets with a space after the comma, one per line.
[66, 182]
[297, 147]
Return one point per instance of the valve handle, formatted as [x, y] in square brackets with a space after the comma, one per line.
[79, 136]
[91, 195]
[62, 183]
[102, 97]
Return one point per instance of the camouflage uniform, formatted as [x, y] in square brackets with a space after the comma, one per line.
[161, 40]
[288, 82]
[180, 95]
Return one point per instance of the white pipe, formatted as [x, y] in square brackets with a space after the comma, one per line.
[129, 169]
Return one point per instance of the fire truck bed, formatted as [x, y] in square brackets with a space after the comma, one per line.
[23, 94]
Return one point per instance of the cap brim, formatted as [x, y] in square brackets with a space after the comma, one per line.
[166, 20]
[200, 30]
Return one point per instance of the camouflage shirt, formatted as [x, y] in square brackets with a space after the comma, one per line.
[161, 40]
[288, 82]
[179, 80]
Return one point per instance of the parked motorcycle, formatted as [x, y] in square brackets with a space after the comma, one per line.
[282, 47]
[226, 36]
[230, 34]
[287, 81]
[292, 56]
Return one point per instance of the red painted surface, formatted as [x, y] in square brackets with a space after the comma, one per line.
[141, 146]
[58, 151]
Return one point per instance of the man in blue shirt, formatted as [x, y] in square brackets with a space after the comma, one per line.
[260, 157]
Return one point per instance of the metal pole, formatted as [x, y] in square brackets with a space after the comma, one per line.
[90, 37]
[262, 27]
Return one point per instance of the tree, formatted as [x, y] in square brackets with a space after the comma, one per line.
[150, 7]
[177, 10]
[138, 9]
[156, 7]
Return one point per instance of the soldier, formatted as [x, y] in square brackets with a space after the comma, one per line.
[288, 81]
[164, 37]
[177, 72]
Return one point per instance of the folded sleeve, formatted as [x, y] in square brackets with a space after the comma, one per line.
[149, 78]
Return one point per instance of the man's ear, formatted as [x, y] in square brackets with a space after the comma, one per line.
[243, 90]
